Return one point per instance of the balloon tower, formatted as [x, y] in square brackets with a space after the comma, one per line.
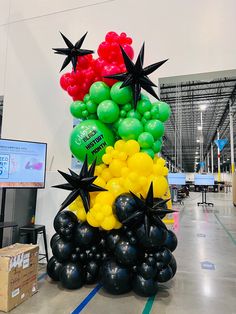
[110, 228]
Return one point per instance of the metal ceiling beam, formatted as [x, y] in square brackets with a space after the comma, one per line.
[198, 83]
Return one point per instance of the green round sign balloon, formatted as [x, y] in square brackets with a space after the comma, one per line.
[99, 91]
[130, 129]
[155, 127]
[122, 95]
[108, 111]
[157, 146]
[90, 137]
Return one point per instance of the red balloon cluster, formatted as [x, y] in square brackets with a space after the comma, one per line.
[90, 70]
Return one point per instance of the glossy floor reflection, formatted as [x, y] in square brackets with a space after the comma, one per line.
[205, 281]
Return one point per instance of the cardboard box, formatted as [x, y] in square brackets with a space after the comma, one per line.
[18, 274]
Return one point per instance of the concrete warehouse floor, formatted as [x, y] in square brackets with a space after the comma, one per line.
[205, 235]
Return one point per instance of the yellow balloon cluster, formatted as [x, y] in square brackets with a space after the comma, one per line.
[124, 169]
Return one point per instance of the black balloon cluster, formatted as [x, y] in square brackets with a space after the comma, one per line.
[138, 256]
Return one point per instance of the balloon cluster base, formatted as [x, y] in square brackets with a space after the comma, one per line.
[119, 260]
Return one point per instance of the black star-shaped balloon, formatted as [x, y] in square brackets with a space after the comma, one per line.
[148, 211]
[72, 51]
[80, 185]
[136, 76]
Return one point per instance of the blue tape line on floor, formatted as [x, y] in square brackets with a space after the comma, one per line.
[87, 299]
[40, 277]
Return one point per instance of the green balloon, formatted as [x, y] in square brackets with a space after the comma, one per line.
[130, 129]
[117, 123]
[121, 95]
[134, 114]
[155, 127]
[91, 106]
[145, 140]
[85, 113]
[157, 146]
[123, 113]
[90, 137]
[144, 96]
[143, 121]
[143, 106]
[164, 111]
[86, 98]
[76, 108]
[147, 115]
[108, 111]
[99, 91]
[92, 116]
[127, 107]
[148, 151]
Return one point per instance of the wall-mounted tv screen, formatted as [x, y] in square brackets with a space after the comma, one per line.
[177, 178]
[204, 179]
[22, 164]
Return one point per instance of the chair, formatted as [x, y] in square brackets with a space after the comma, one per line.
[32, 231]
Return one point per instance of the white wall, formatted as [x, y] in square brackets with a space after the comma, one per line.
[197, 36]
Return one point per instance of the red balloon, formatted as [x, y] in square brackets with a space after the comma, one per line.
[103, 50]
[73, 90]
[129, 51]
[64, 81]
[109, 70]
[111, 37]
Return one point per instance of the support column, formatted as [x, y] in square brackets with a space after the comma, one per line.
[212, 159]
[218, 155]
[231, 125]
[208, 162]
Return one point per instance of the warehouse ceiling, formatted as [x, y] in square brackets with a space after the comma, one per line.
[186, 98]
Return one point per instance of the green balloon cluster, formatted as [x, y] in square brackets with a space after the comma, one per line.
[113, 109]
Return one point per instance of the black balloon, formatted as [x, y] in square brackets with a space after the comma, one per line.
[156, 237]
[171, 241]
[72, 276]
[112, 239]
[160, 265]
[62, 250]
[74, 257]
[92, 272]
[116, 279]
[147, 271]
[126, 253]
[64, 223]
[173, 266]
[124, 206]
[164, 255]
[144, 287]
[54, 238]
[54, 268]
[85, 235]
[164, 275]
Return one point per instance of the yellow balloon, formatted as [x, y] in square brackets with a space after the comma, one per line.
[160, 186]
[73, 206]
[120, 145]
[133, 176]
[132, 186]
[106, 174]
[109, 149]
[108, 223]
[160, 161]
[122, 156]
[132, 147]
[100, 182]
[157, 169]
[116, 166]
[142, 181]
[105, 197]
[99, 217]
[141, 163]
[91, 220]
[81, 214]
[107, 159]
[165, 171]
[124, 172]
[115, 187]
[118, 225]
[106, 210]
